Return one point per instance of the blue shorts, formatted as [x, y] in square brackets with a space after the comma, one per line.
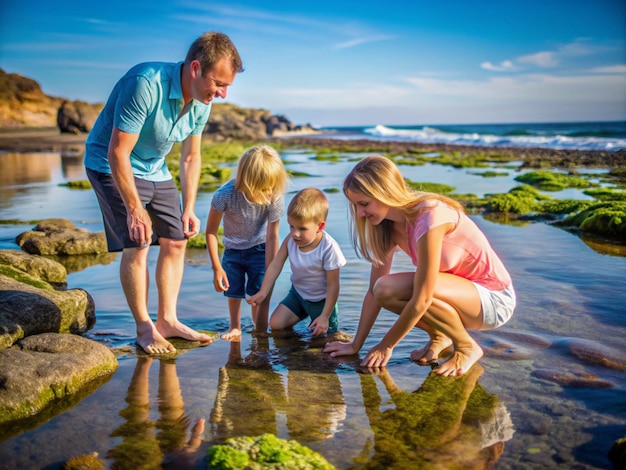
[305, 308]
[161, 200]
[245, 270]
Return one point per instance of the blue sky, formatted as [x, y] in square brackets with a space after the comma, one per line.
[345, 62]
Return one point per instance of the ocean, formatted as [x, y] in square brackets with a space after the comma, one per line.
[608, 136]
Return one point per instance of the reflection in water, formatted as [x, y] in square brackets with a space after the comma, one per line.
[446, 423]
[315, 405]
[141, 447]
[249, 393]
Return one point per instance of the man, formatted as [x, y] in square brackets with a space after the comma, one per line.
[154, 105]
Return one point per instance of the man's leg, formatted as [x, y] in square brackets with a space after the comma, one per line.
[135, 281]
[169, 276]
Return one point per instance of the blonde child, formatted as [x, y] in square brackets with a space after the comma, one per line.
[251, 205]
[315, 259]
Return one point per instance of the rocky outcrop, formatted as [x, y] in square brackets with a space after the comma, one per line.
[41, 361]
[61, 237]
[30, 304]
[24, 104]
[76, 117]
[230, 122]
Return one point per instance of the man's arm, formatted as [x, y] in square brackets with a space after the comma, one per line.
[190, 166]
[138, 220]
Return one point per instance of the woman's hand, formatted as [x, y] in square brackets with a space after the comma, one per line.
[378, 356]
[338, 348]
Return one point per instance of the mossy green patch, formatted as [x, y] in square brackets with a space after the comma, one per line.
[264, 452]
[78, 184]
[552, 181]
[438, 188]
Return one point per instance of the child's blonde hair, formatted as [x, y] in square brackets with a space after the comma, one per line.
[309, 205]
[379, 178]
[261, 175]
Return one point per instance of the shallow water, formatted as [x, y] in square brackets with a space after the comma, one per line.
[570, 317]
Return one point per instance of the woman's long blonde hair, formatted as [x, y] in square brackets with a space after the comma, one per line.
[379, 178]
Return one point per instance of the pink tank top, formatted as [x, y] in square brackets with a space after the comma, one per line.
[466, 252]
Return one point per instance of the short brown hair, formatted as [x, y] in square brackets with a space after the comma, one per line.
[212, 46]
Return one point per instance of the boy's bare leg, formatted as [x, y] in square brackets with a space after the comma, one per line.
[169, 276]
[234, 310]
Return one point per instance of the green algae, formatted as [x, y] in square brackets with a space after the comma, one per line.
[264, 452]
[553, 181]
[490, 173]
[603, 218]
[414, 432]
[438, 188]
[78, 184]
[84, 462]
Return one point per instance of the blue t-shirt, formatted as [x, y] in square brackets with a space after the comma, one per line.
[146, 101]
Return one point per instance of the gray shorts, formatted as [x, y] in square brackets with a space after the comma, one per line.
[497, 306]
[161, 200]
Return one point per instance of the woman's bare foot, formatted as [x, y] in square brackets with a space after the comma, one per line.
[462, 361]
[234, 334]
[176, 329]
[151, 340]
[429, 354]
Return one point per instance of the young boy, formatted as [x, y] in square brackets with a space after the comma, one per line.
[315, 259]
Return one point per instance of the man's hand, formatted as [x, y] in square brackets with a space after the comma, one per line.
[139, 226]
[191, 225]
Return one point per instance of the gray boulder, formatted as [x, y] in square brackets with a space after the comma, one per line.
[43, 368]
[77, 117]
[61, 237]
[30, 304]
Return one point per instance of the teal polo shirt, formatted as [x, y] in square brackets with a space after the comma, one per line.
[146, 101]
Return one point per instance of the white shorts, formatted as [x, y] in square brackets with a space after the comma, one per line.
[497, 306]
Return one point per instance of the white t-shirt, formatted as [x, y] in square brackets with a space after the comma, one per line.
[309, 268]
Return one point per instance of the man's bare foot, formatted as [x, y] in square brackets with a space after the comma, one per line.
[462, 361]
[429, 354]
[177, 329]
[234, 334]
[151, 340]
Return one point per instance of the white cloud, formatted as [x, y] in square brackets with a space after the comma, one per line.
[542, 59]
[611, 69]
[361, 40]
[505, 66]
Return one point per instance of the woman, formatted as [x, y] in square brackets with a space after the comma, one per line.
[459, 283]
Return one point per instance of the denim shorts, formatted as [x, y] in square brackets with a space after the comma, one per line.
[305, 308]
[245, 270]
[161, 200]
[497, 306]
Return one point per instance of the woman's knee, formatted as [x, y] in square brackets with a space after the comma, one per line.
[384, 290]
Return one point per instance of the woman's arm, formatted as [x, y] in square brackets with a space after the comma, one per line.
[429, 249]
[369, 312]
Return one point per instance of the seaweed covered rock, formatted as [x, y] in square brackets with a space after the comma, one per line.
[31, 304]
[61, 237]
[263, 453]
[41, 369]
